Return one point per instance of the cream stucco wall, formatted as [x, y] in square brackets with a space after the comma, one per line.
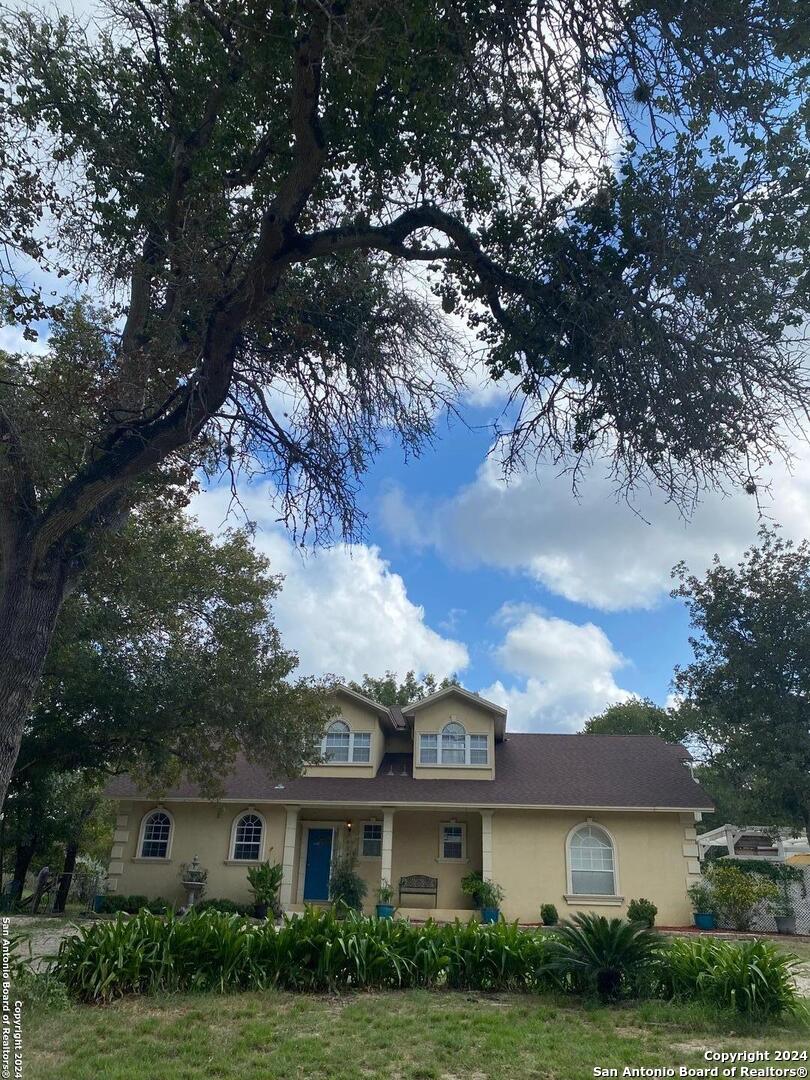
[201, 829]
[476, 721]
[656, 855]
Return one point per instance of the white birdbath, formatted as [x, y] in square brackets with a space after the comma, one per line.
[194, 882]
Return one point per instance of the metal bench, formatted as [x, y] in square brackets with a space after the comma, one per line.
[419, 885]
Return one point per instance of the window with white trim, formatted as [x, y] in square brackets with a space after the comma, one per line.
[428, 749]
[157, 829]
[452, 840]
[453, 747]
[593, 871]
[247, 838]
[371, 844]
[342, 745]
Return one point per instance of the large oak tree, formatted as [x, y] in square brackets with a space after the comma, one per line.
[263, 199]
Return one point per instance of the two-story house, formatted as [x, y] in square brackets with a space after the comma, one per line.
[436, 789]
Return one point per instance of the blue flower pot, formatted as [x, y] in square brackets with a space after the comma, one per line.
[705, 920]
[385, 911]
[490, 914]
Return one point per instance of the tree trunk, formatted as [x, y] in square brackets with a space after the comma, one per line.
[71, 851]
[22, 860]
[30, 598]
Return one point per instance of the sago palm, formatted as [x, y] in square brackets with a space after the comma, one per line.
[602, 954]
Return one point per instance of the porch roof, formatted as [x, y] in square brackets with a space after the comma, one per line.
[634, 772]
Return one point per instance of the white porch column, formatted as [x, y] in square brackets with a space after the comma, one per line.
[387, 846]
[486, 844]
[288, 859]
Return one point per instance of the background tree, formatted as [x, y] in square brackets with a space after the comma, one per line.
[639, 716]
[388, 690]
[612, 197]
[165, 660]
[749, 684]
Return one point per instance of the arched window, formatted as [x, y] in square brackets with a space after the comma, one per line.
[341, 745]
[591, 862]
[453, 747]
[247, 837]
[338, 738]
[454, 744]
[156, 832]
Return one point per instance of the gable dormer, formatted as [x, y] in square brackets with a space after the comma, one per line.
[353, 742]
[454, 735]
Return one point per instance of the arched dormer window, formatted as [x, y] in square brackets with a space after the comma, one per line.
[591, 861]
[342, 746]
[246, 837]
[454, 744]
[156, 835]
[453, 747]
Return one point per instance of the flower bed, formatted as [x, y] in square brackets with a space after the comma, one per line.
[318, 952]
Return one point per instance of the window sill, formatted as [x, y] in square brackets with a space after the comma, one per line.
[241, 862]
[441, 858]
[588, 898]
[369, 858]
[150, 858]
[448, 765]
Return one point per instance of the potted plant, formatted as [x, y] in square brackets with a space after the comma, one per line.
[490, 896]
[385, 894]
[549, 915]
[346, 888]
[703, 907]
[264, 881]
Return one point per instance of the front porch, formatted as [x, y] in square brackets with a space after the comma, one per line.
[390, 844]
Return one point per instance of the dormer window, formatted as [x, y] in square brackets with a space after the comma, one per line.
[341, 745]
[453, 747]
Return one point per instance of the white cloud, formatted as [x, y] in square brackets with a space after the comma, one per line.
[594, 549]
[342, 609]
[567, 671]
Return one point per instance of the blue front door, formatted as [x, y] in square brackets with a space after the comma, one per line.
[319, 861]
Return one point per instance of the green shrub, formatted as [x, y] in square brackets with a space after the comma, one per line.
[224, 906]
[642, 911]
[608, 956]
[751, 977]
[113, 903]
[549, 915]
[346, 888]
[737, 893]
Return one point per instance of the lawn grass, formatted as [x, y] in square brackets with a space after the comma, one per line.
[414, 1035]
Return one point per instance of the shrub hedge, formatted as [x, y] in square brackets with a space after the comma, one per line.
[318, 952]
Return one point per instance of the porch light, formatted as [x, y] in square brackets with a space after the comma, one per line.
[348, 826]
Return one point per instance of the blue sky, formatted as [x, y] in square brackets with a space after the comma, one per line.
[555, 606]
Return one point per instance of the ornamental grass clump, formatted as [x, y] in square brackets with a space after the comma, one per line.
[750, 977]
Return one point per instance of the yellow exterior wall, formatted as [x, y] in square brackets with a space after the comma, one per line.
[201, 829]
[654, 852]
[432, 719]
[656, 855]
[358, 718]
[416, 851]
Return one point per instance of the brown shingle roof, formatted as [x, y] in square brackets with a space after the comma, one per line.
[589, 771]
